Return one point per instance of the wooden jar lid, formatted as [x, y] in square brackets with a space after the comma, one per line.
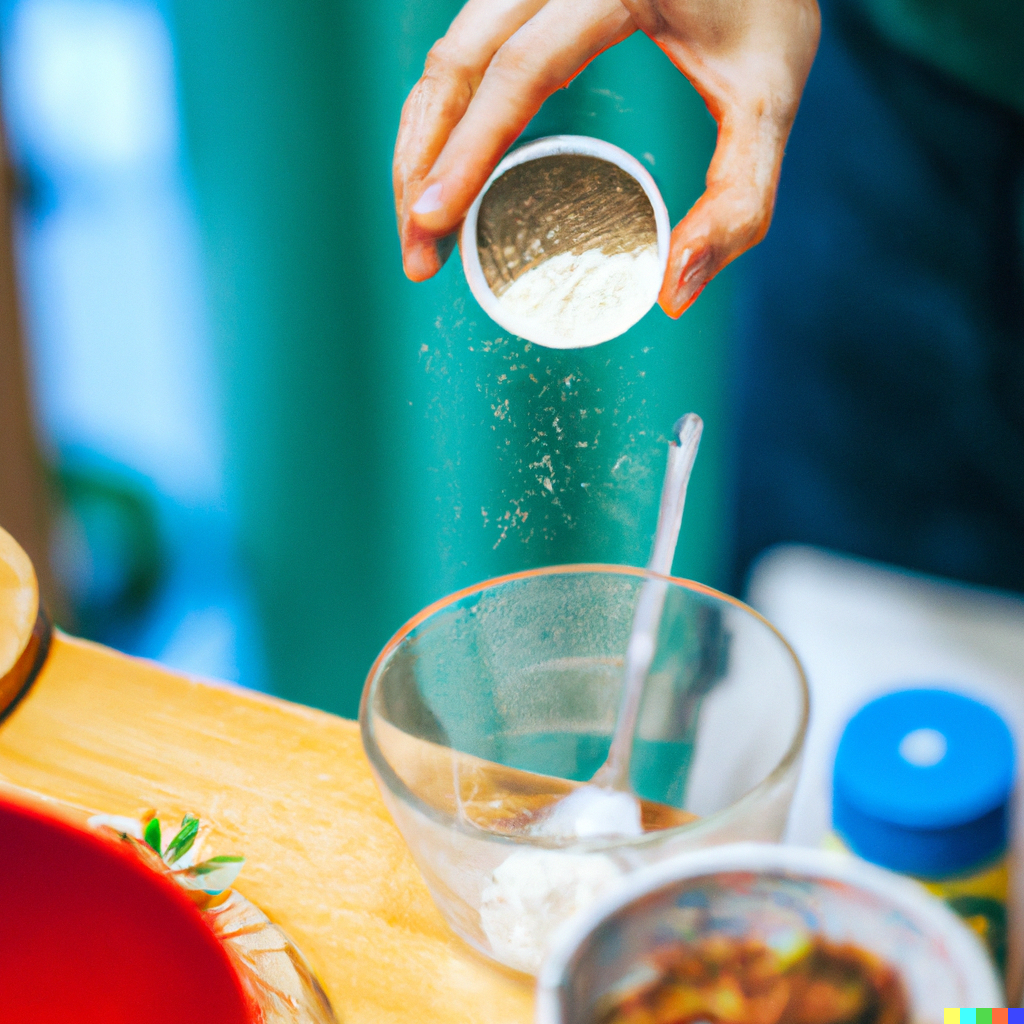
[24, 633]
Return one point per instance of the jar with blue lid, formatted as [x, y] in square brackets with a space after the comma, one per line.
[922, 785]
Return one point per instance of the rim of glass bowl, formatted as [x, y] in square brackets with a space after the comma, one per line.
[390, 777]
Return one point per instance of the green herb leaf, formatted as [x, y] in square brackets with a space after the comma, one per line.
[212, 876]
[213, 864]
[152, 835]
[182, 842]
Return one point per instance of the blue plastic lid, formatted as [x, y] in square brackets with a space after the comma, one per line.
[922, 782]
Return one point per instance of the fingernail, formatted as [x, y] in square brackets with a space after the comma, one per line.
[430, 201]
[695, 275]
[421, 261]
[695, 267]
[690, 290]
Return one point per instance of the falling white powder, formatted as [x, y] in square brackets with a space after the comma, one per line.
[571, 301]
[532, 892]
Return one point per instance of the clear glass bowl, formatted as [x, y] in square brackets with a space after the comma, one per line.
[781, 895]
[517, 681]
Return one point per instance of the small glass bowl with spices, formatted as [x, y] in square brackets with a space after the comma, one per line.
[760, 934]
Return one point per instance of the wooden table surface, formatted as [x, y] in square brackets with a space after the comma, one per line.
[288, 787]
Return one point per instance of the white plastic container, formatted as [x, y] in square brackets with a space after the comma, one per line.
[607, 327]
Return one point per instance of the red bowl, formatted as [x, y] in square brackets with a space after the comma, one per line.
[89, 934]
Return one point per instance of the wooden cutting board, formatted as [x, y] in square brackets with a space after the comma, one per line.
[288, 787]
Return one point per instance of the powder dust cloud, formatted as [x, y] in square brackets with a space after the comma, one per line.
[541, 456]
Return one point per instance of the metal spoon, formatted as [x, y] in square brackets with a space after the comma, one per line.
[607, 805]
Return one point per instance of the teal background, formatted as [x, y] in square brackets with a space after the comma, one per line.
[386, 443]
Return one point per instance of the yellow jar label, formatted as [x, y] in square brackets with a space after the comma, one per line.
[979, 898]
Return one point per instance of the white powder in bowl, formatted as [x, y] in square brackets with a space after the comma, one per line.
[571, 301]
[590, 812]
[532, 892]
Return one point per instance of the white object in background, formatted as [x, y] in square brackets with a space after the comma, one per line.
[862, 629]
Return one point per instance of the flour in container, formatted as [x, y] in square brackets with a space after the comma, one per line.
[574, 300]
[532, 892]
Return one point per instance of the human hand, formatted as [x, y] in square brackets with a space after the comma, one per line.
[501, 59]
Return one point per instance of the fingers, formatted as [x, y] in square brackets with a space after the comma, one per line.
[452, 73]
[749, 60]
[732, 215]
[542, 55]
[750, 70]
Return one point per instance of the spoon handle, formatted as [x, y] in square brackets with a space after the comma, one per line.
[682, 452]
[643, 637]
